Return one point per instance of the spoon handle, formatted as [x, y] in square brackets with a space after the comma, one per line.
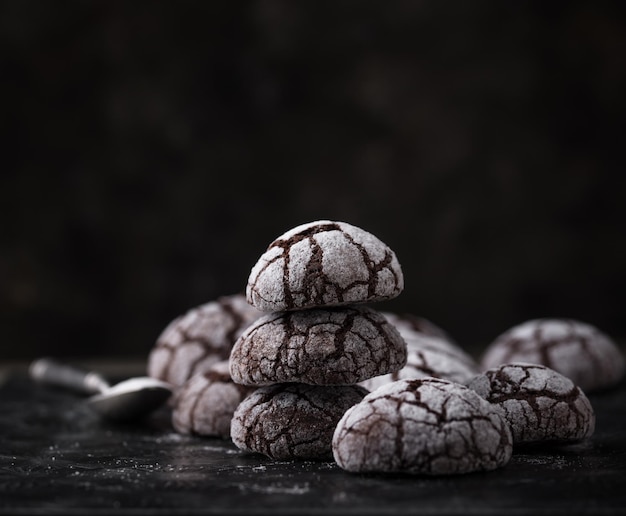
[51, 372]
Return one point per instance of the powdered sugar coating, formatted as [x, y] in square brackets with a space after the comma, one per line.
[204, 405]
[575, 349]
[203, 336]
[428, 355]
[428, 426]
[324, 263]
[539, 403]
[332, 346]
[292, 421]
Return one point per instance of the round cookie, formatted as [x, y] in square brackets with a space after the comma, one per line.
[331, 346]
[428, 426]
[575, 349]
[428, 356]
[204, 405]
[539, 403]
[204, 335]
[323, 263]
[292, 421]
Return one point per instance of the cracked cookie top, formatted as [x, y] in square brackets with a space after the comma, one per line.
[324, 263]
[428, 426]
[292, 420]
[323, 346]
[575, 349]
[539, 403]
[193, 342]
[205, 403]
[429, 356]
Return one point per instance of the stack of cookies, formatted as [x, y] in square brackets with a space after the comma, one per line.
[317, 339]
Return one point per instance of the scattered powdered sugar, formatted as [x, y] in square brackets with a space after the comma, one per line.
[171, 437]
[552, 461]
[277, 488]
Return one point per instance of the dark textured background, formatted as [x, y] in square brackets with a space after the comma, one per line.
[152, 150]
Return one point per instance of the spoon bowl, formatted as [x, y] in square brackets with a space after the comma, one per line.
[128, 400]
[131, 399]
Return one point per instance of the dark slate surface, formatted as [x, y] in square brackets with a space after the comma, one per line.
[56, 457]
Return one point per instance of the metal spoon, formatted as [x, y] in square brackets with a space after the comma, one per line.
[128, 400]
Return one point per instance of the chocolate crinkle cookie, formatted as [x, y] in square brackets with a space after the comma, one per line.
[206, 402]
[428, 355]
[539, 403]
[324, 263]
[331, 346]
[195, 341]
[428, 426]
[291, 420]
[575, 349]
